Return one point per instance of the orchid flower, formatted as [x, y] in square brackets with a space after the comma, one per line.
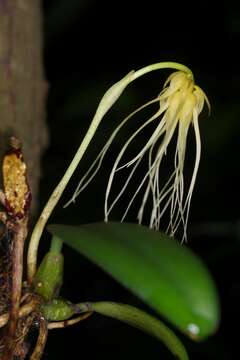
[180, 103]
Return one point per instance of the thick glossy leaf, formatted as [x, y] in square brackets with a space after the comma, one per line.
[163, 273]
[141, 320]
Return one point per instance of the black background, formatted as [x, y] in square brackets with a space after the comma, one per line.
[91, 44]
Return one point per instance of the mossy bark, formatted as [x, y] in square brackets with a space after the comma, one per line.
[23, 89]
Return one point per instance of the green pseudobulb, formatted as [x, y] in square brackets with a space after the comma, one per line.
[49, 277]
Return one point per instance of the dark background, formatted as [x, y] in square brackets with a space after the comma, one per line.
[91, 44]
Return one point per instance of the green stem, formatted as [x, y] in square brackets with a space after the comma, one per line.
[56, 245]
[109, 98]
[162, 65]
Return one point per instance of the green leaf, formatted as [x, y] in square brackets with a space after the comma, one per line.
[140, 320]
[164, 274]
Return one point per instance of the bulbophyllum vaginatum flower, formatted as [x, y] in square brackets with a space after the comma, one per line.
[31, 304]
[180, 103]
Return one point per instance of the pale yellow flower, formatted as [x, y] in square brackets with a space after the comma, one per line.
[180, 103]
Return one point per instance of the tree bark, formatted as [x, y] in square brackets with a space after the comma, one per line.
[22, 86]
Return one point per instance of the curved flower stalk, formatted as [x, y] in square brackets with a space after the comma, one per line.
[180, 103]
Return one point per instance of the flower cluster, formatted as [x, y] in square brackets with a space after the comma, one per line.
[180, 103]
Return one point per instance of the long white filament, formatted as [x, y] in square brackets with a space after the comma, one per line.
[153, 168]
[85, 181]
[182, 111]
[139, 156]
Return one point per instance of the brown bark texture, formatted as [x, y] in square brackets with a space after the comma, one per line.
[22, 86]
